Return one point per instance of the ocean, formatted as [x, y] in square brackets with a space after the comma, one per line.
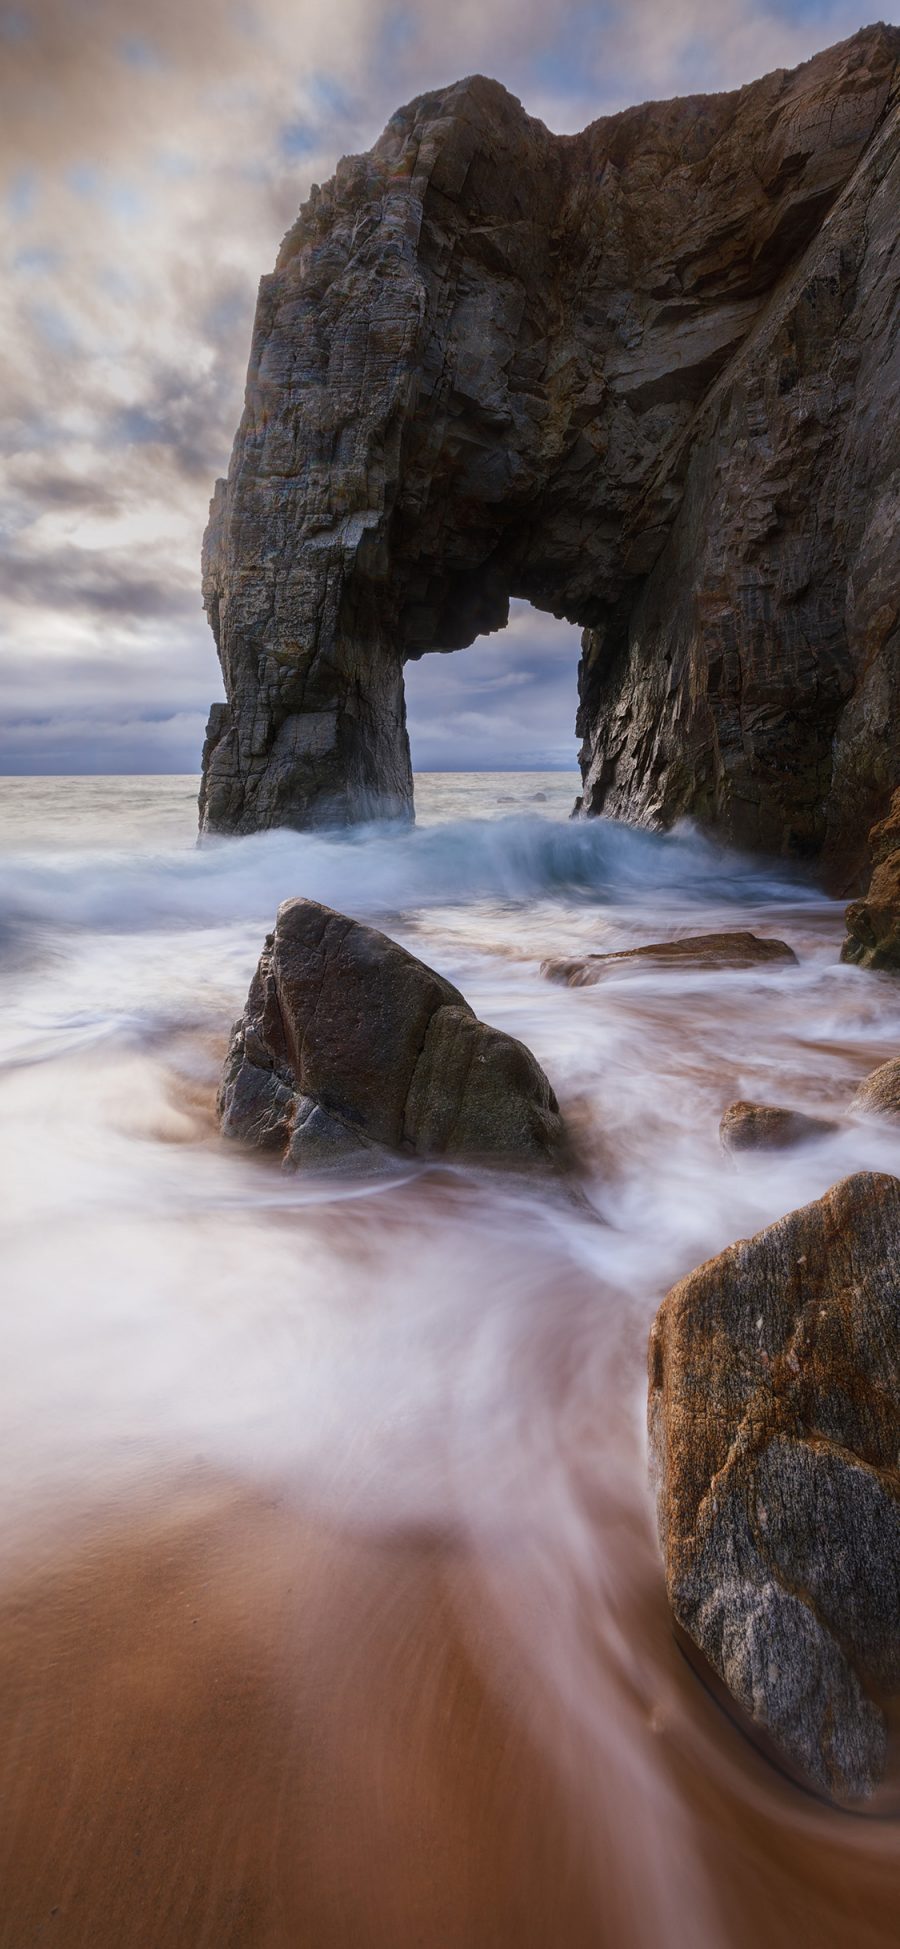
[384, 1442]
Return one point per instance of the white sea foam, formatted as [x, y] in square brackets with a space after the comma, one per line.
[447, 1350]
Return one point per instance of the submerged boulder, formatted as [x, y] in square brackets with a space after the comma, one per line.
[350, 1050]
[768, 1126]
[879, 1094]
[873, 923]
[774, 1419]
[725, 951]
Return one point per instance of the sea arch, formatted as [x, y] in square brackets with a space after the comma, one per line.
[492, 362]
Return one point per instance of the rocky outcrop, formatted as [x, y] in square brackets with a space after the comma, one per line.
[755, 679]
[350, 1051]
[879, 1094]
[767, 1126]
[642, 377]
[873, 924]
[774, 1416]
[693, 951]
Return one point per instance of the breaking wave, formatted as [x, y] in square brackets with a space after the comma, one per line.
[382, 870]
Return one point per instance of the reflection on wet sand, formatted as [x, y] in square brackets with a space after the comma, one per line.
[228, 1726]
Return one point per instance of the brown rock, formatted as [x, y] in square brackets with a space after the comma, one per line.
[774, 1417]
[884, 838]
[350, 1049]
[873, 924]
[641, 377]
[766, 1126]
[725, 951]
[879, 1093]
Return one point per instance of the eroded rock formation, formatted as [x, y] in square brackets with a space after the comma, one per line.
[350, 1051]
[774, 1417]
[643, 377]
[873, 923]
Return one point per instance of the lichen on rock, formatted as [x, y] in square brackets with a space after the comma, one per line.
[774, 1418]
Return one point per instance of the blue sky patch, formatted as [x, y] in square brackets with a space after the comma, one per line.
[141, 54]
[21, 196]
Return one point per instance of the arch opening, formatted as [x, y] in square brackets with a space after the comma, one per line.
[505, 704]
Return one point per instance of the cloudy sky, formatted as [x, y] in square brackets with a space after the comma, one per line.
[153, 154]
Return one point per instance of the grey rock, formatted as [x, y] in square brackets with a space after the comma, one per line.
[792, 1678]
[774, 1418]
[350, 1051]
[319, 1141]
[644, 377]
[257, 1101]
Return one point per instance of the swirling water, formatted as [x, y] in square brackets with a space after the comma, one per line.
[332, 1610]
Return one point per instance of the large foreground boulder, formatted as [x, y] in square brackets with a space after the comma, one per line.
[774, 1418]
[873, 924]
[349, 1049]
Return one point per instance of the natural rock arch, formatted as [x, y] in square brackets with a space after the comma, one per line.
[642, 377]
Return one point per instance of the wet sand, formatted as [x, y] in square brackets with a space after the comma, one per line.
[228, 1726]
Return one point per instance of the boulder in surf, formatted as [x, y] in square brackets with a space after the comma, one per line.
[351, 1051]
[769, 1126]
[879, 1094]
[774, 1420]
[693, 951]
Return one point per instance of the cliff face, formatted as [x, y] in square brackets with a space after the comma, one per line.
[644, 377]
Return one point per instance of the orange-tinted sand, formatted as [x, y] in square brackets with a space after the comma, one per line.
[226, 1728]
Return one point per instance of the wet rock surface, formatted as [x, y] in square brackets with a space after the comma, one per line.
[643, 377]
[873, 923]
[713, 951]
[774, 1420]
[879, 1094]
[767, 1126]
[350, 1052]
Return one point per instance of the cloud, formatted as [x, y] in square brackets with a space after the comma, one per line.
[133, 700]
[508, 703]
[152, 154]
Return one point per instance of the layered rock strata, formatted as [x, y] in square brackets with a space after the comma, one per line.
[351, 1051]
[774, 1417]
[644, 377]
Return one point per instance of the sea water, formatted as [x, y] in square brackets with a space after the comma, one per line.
[449, 1354]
